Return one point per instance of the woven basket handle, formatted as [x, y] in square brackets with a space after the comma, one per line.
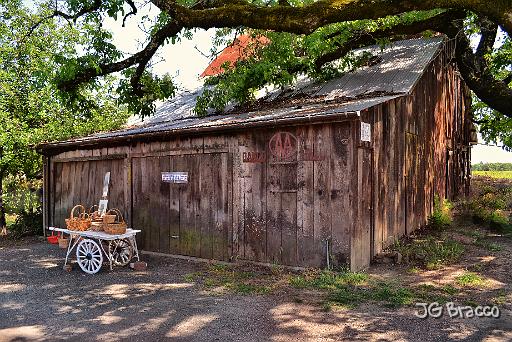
[80, 215]
[117, 212]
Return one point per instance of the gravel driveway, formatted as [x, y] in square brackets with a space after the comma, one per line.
[40, 301]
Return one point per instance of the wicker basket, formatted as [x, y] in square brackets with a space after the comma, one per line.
[97, 220]
[96, 226]
[118, 226]
[94, 214]
[80, 221]
[63, 242]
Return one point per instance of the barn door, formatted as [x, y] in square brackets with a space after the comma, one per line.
[151, 209]
[282, 213]
[204, 205]
[81, 182]
[189, 218]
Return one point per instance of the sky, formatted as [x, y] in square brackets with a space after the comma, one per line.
[187, 59]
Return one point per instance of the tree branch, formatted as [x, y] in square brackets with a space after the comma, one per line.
[495, 93]
[365, 38]
[306, 19]
[96, 5]
[141, 58]
[508, 79]
[132, 12]
[489, 31]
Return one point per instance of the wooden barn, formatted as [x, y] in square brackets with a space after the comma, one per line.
[320, 174]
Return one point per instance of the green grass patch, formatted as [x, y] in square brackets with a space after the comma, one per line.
[500, 298]
[490, 246]
[494, 174]
[442, 215]
[430, 252]
[234, 279]
[327, 279]
[472, 303]
[243, 288]
[499, 221]
[191, 277]
[450, 289]
[350, 289]
[470, 279]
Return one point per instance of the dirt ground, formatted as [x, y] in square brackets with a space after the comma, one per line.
[170, 300]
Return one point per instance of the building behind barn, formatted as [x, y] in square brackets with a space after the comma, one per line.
[328, 173]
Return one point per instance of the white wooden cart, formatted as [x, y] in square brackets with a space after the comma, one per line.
[91, 246]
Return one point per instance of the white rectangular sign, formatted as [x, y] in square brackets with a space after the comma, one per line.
[366, 132]
[175, 177]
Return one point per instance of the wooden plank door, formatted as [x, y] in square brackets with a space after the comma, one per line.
[81, 182]
[188, 219]
[204, 205]
[151, 203]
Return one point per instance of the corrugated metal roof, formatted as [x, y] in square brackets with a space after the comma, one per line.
[399, 68]
[309, 112]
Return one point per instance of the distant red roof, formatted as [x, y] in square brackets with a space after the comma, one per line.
[242, 48]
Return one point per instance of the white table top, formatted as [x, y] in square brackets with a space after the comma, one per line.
[97, 235]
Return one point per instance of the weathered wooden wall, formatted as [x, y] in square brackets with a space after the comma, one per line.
[291, 211]
[278, 210]
[420, 150]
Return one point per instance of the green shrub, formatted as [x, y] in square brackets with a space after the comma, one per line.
[27, 224]
[442, 215]
[493, 201]
[499, 221]
[430, 252]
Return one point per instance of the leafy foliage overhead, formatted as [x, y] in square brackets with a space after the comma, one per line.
[31, 110]
[307, 36]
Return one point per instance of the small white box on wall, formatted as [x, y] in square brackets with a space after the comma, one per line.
[366, 130]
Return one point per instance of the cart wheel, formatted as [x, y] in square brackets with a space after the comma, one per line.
[89, 256]
[121, 251]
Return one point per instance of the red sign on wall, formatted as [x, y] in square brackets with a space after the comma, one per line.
[283, 146]
[253, 157]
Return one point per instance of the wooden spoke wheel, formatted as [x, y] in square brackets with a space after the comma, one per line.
[89, 256]
[121, 251]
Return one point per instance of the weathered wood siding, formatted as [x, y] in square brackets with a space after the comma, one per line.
[421, 151]
[292, 211]
[81, 182]
[288, 211]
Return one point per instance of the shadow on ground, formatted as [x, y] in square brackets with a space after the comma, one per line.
[40, 301]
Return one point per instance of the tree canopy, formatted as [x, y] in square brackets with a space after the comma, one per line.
[306, 36]
[31, 110]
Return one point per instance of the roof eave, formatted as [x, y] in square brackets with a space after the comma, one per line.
[49, 149]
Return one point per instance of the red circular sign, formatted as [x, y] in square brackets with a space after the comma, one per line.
[283, 145]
